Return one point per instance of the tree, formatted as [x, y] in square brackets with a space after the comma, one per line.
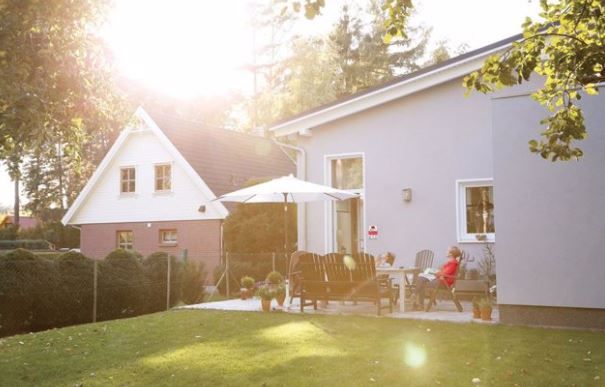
[56, 89]
[568, 50]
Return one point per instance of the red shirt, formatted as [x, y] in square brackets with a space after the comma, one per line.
[448, 271]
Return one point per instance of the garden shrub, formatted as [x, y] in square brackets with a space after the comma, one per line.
[76, 273]
[8, 233]
[192, 282]
[30, 244]
[122, 286]
[156, 270]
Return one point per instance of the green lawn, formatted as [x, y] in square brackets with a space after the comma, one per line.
[275, 349]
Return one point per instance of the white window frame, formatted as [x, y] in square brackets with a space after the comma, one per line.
[155, 177]
[136, 174]
[118, 245]
[169, 242]
[463, 236]
[329, 213]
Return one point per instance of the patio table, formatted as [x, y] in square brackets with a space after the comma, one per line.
[400, 273]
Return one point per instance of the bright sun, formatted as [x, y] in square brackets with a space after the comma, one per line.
[182, 47]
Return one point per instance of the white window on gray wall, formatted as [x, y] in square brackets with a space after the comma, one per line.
[475, 210]
[347, 216]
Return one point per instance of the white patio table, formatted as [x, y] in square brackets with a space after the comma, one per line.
[400, 273]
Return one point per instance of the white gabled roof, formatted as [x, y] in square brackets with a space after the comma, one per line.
[120, 141]
[423, 79]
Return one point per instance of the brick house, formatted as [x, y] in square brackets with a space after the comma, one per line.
[154, 189]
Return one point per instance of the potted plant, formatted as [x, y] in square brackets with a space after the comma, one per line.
[266, 294]
[485, 305]
[274, 278]
[280, 294]
[476, 308]
[247, 284]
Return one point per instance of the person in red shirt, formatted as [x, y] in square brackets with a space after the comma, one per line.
[444, 277]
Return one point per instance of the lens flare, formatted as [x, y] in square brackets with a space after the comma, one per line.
[414, 355]
[349, 262]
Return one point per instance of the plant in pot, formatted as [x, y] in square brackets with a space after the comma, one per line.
[266, 293]
[274, 278]
[476, 308]
[485, 305]
[247, 284]
[280, 294]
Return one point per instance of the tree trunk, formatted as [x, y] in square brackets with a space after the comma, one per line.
[16, 209]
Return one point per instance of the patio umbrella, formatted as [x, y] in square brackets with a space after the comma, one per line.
[287, 189]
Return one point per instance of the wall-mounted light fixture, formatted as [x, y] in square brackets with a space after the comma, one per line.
[407, 194]
[202, 209]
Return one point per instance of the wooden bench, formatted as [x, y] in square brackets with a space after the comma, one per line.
[331, 278]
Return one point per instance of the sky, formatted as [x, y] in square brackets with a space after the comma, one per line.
[192, 47]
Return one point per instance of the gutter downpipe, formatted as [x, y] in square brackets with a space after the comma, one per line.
[301, 209]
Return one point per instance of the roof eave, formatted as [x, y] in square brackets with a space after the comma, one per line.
[388, 93]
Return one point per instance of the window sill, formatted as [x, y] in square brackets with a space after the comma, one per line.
[163, 193]
[472, 239]
[126, 195]
[168, 244]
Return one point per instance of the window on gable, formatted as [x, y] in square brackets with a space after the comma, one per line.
[476, 211]
[127, 180]
[163, 177]
[168, 237]
[125, 240]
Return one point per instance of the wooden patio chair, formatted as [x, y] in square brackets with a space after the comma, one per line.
[294, 274]
[451, 290]
[366, 284]
[423, 261]
[313, 283]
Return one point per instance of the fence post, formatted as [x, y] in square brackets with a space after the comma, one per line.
[273, 261]
[168, 285]
[94, 290]
[227, 272]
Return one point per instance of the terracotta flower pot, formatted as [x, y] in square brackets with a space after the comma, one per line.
[266, 305]
[243, 293]
[486, 314]
[476, 313]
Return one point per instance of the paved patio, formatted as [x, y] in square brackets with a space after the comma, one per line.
[444, 311]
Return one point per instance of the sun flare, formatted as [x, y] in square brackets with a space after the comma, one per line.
[182, 48]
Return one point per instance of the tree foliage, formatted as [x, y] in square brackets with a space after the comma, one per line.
[57, 99]
[568, 50]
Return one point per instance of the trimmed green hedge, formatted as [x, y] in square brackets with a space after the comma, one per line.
[38, 293]
[30, 244]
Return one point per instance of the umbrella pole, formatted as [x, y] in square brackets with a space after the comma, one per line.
[286, 229]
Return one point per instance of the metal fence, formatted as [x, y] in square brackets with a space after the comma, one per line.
[234, 266]
[38, 293]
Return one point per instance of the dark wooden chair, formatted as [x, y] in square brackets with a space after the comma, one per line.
[450, 290]
[294, 274]
[423, 261]
[313, 283]
[368, 286]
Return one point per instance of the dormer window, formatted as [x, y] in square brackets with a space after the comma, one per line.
[163, 177]
[127, 180]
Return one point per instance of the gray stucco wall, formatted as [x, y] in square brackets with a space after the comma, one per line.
[550, 217]
[426, 142]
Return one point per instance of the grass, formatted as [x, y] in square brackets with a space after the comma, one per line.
[274, 349]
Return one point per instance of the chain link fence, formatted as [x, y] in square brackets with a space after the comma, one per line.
[234, 266]
[39, 292]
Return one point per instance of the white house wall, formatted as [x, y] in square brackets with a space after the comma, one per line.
[142, 150]
[552, 227]
[425, 142]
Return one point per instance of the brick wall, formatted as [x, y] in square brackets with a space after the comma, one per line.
[200, 237]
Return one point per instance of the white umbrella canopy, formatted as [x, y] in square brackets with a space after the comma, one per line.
[287, 189]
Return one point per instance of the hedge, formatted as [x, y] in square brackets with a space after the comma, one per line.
[38, 293]
[30, 244]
